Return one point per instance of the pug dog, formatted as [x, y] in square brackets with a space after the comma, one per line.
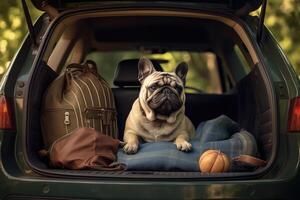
[158, 114]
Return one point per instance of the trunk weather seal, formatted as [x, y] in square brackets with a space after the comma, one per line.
[235, 176]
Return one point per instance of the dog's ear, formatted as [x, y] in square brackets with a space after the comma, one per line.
[181, 71]
[145, 68]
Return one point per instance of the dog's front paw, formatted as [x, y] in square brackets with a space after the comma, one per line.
[131, 148]
[183, 145]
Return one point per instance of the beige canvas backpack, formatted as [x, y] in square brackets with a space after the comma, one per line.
[79, 97]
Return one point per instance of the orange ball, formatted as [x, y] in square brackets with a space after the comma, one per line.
[214, 161]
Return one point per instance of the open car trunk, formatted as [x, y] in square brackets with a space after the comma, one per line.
[244, 97]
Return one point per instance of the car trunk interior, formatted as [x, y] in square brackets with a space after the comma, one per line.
[244, 99]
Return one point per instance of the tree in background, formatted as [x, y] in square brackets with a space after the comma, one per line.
[12, 29]
[283, 18]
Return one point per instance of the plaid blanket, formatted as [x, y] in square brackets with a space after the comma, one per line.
[220, 133]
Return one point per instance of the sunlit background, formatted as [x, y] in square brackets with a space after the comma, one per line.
[283, 19]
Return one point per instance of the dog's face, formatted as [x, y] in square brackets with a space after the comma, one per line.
[162, 93]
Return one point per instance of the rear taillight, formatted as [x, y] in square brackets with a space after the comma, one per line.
[294, 115]
[5, 114]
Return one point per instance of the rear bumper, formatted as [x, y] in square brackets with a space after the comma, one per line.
[102, 189]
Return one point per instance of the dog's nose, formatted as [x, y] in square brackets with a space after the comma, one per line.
[167, 91]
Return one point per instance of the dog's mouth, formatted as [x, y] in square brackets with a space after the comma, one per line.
[165, 102]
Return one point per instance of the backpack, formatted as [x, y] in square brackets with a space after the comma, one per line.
[79, 97]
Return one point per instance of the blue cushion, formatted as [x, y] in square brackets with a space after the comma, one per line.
[221, 134]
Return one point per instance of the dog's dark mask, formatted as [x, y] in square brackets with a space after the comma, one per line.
[165, 101]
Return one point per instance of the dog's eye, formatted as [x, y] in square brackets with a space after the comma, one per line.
[178, 89]
[152, 88]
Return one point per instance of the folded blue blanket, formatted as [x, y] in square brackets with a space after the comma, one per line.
[221, 134]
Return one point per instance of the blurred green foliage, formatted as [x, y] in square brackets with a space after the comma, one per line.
[12, 29]
[283, 18]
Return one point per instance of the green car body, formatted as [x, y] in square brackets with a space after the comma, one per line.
[281, 180]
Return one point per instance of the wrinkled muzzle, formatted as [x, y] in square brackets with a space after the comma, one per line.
[165, 102]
